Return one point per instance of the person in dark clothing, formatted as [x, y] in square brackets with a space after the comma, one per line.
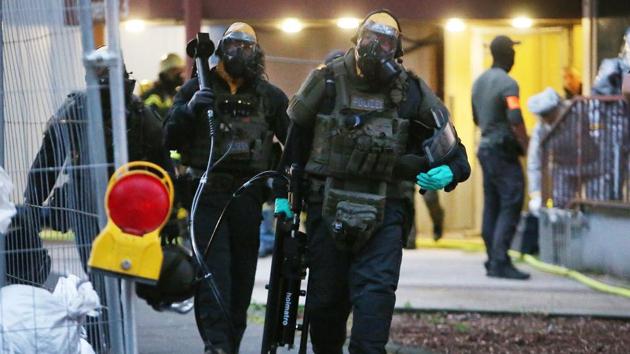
[66, 138]
[160, 96]
[60, 182]
[356, 212]
[496, 110]
[249, 111]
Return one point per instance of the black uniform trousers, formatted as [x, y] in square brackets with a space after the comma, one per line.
[503, 192]
[364, 283]
[232, 260]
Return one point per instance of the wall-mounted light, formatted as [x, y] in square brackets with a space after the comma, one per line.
[455, 25]
[291, 25]
[135, 25]
[348, 22]
[522, 22]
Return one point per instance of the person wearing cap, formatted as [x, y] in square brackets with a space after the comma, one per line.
[356, 211]
[250, 112]
[609, 79]
[170, 78]
[497, 112]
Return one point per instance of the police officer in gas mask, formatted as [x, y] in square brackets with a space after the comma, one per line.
[64, 155]
[610, 75]
[65, 147]
[350, 146]
[248, 112]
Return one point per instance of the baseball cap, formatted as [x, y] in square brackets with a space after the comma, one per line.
[501, 44]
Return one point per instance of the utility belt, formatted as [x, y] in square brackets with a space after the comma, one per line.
[506, 143]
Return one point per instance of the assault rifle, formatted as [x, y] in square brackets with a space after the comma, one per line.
[288, 269]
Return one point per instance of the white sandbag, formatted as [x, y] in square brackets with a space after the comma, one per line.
[32, 320]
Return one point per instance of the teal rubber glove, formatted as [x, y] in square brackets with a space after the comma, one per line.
[436, 178]
[282, 207]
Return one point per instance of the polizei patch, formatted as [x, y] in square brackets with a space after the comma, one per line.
[367, 103]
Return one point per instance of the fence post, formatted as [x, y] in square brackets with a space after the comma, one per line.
[98, 159]
[116, 89]
[2, 246]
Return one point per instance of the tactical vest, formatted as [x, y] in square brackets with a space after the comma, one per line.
[361, 138]
[242, 132]
[355, 148]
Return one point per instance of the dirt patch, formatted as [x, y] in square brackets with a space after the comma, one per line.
[482, 333]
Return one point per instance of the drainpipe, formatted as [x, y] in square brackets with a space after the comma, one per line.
[192, 21]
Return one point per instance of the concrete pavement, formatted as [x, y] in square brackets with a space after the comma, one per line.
[430, 279]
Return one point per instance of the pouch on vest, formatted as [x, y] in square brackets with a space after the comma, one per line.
[353, 216]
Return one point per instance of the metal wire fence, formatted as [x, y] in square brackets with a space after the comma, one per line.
[49, 134]
[586, 155]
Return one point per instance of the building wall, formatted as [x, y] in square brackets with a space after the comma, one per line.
[290, 57]
[142, 50]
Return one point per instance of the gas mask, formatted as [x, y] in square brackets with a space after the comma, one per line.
[103, 83]
[239, 56]
[375, 50]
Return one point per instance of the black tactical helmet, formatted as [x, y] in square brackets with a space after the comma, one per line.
[177, 279]
[102, 74]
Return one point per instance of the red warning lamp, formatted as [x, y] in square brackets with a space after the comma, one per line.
[138, 204]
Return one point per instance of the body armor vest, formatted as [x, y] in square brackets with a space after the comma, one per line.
[355, 148]
[242, 132]
[361, 138]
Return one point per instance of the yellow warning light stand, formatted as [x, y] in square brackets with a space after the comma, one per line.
[138, 203]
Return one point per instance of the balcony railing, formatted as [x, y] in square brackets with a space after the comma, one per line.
[586, 155]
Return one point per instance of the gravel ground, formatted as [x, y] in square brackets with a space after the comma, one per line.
[486, 333]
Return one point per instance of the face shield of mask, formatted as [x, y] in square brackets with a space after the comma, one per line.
[385, 45]
[239, 52]
[236, 47]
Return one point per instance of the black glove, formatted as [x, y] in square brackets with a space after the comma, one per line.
[201, 101]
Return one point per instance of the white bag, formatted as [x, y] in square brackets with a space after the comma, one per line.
[7, 209]
[32, 320]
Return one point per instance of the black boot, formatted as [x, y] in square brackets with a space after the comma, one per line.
[411, 243]
[411, 239]
[209, 349]
[505, 270]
